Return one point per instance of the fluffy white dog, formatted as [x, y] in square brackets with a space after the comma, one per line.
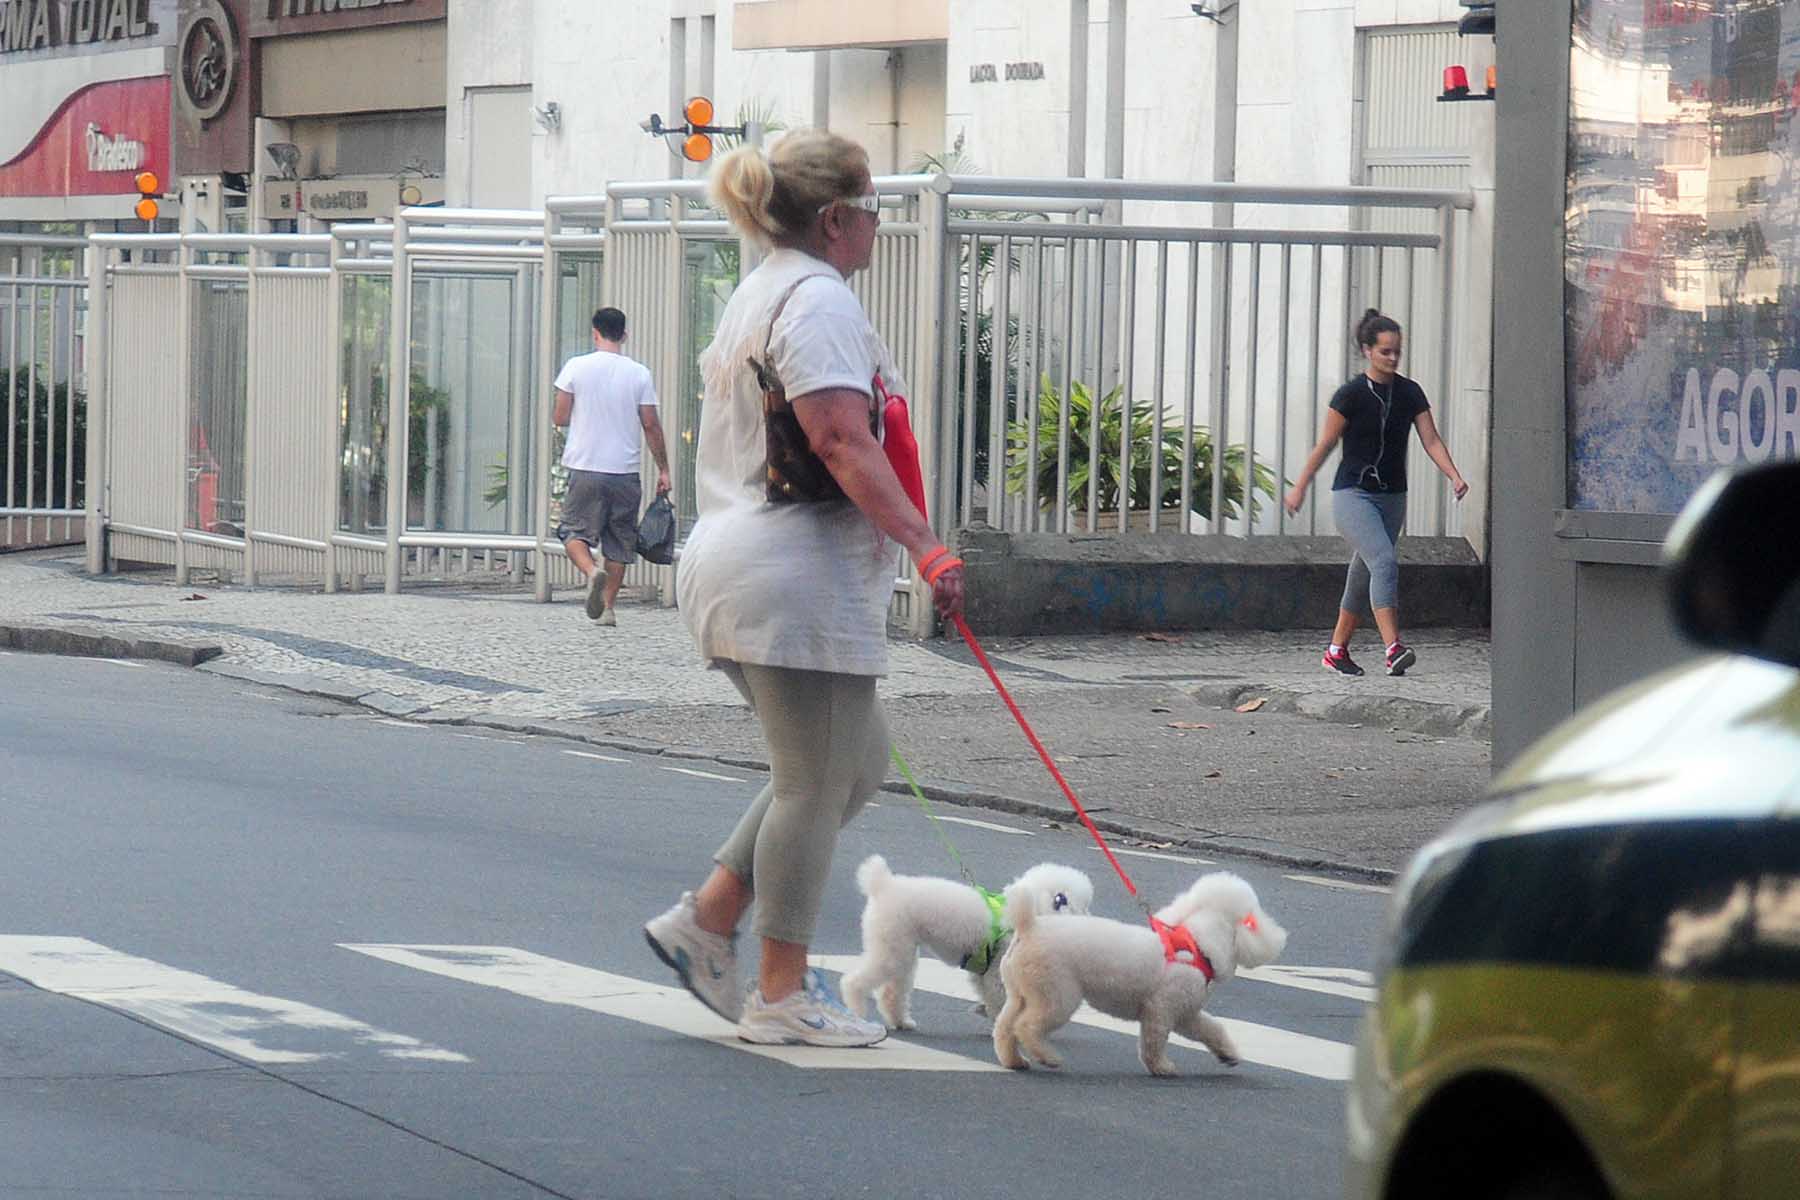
[1125, 971]
[905, 913]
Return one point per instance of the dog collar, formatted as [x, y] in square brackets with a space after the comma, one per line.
[982, 957]
[1178, 940]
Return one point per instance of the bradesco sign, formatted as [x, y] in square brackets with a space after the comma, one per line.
[95, 142]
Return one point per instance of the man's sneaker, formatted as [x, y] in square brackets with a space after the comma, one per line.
[1400, 658]
[596, 599]
[607, 618]
[706, 962]
[1341, 663]
[812, 1016]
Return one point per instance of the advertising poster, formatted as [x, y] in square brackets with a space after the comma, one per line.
[1683, 245]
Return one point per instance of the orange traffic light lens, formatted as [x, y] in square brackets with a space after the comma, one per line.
[697, 147]
[699, 111]
[148, 183]
[145, 209]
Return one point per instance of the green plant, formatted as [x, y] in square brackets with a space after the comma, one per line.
[1043, 470]
[38, 477]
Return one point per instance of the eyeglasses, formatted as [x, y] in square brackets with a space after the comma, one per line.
[869, 203]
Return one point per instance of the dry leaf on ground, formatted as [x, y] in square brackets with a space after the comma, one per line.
[1189, 725]
[1172, 638]
[1250, 706]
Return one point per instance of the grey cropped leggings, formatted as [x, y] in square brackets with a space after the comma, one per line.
[828, 753]
[1370, 522]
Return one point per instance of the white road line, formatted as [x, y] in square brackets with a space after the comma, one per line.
[254, 695]
[596, 757]
[704, 774]
[985, 825]
[486, 737]
[262, 1029]
[661, 1005]
[1341, 884]
[1333, 981]
[117, 662]
[1174, 858]
[397, 724]
[1265, 1044]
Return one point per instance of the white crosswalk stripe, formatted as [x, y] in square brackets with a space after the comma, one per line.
[1265, 1044]
[661, 1005]
[254, 1027]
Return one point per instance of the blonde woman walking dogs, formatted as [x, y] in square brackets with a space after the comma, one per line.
[1373, 415]
[786, 577]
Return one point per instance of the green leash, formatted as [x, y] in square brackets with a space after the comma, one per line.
[982, 958]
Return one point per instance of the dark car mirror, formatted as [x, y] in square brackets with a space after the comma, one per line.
[1733, 563]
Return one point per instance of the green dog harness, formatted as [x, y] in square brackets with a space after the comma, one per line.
[978, 961]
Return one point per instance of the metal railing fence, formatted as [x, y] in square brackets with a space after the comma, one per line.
[1082, 357]
[43, 314]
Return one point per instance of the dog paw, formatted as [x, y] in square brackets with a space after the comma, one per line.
[979, 1009]
[1164, 1069]
[905, 1023]
[1016, 1062]
[1228, 1055]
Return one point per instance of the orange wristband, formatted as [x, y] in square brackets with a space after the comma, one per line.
[932, 557]
[939, 568]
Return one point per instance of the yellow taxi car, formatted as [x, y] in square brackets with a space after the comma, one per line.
[1591, 986]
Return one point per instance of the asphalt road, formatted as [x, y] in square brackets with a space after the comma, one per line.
[257, 945]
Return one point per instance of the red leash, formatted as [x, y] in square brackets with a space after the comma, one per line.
[1176, 939]
[981, 657]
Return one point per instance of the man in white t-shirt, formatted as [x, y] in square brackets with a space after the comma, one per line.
[606, 399]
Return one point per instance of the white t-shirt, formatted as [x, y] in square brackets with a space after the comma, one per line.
[604, 430]
[804, 586]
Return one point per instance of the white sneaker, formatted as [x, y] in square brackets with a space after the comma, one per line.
[706, 962]
[607, 618]
[812, 1016]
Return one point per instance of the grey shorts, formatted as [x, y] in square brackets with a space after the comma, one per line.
[602, 510]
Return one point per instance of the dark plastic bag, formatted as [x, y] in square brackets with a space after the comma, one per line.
[656, 531]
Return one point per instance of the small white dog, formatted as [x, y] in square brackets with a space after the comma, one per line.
[1125, 971]
[950, 919]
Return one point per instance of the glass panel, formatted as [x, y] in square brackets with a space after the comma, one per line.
[577, 298]
[464, 422]
[217, 407]
[362, 404]
[1683, 243]
[710, 272]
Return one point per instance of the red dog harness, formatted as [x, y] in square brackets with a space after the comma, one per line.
[1178, 940]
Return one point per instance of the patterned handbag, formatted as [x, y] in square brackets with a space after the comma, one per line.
[795, 474]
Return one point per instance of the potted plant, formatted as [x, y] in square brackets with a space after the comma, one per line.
[1167, 494]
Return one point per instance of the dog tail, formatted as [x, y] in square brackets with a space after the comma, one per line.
[1021, 911]
[872, 875]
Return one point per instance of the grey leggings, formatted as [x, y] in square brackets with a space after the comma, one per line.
[1370, 522]
[828, 753]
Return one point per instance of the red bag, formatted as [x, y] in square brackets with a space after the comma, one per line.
[901, 447]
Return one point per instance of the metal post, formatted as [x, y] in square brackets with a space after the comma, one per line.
[542, 435]
[98, 414]
[334, 329]
[248, 449]
[1446, 341]
[399, 399]
[184, 390]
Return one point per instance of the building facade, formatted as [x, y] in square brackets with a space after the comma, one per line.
[87, 87]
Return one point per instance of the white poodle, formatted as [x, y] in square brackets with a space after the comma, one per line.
[953, 921]
[1125, 971]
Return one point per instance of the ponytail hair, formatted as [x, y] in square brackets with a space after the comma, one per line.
[775, 197]
[1373, 325]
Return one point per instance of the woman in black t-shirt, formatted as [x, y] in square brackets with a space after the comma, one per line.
[1372, 415]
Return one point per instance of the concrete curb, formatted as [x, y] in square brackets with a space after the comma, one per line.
[88, 643]
[1387, 712]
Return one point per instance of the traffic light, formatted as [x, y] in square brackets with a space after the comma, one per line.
[698, 145]
[149, 189]
[1479, 20]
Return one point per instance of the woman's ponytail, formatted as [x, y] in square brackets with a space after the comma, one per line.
[742, 184]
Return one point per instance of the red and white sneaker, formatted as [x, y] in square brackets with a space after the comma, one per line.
[1340, 662]
[1399, 658]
